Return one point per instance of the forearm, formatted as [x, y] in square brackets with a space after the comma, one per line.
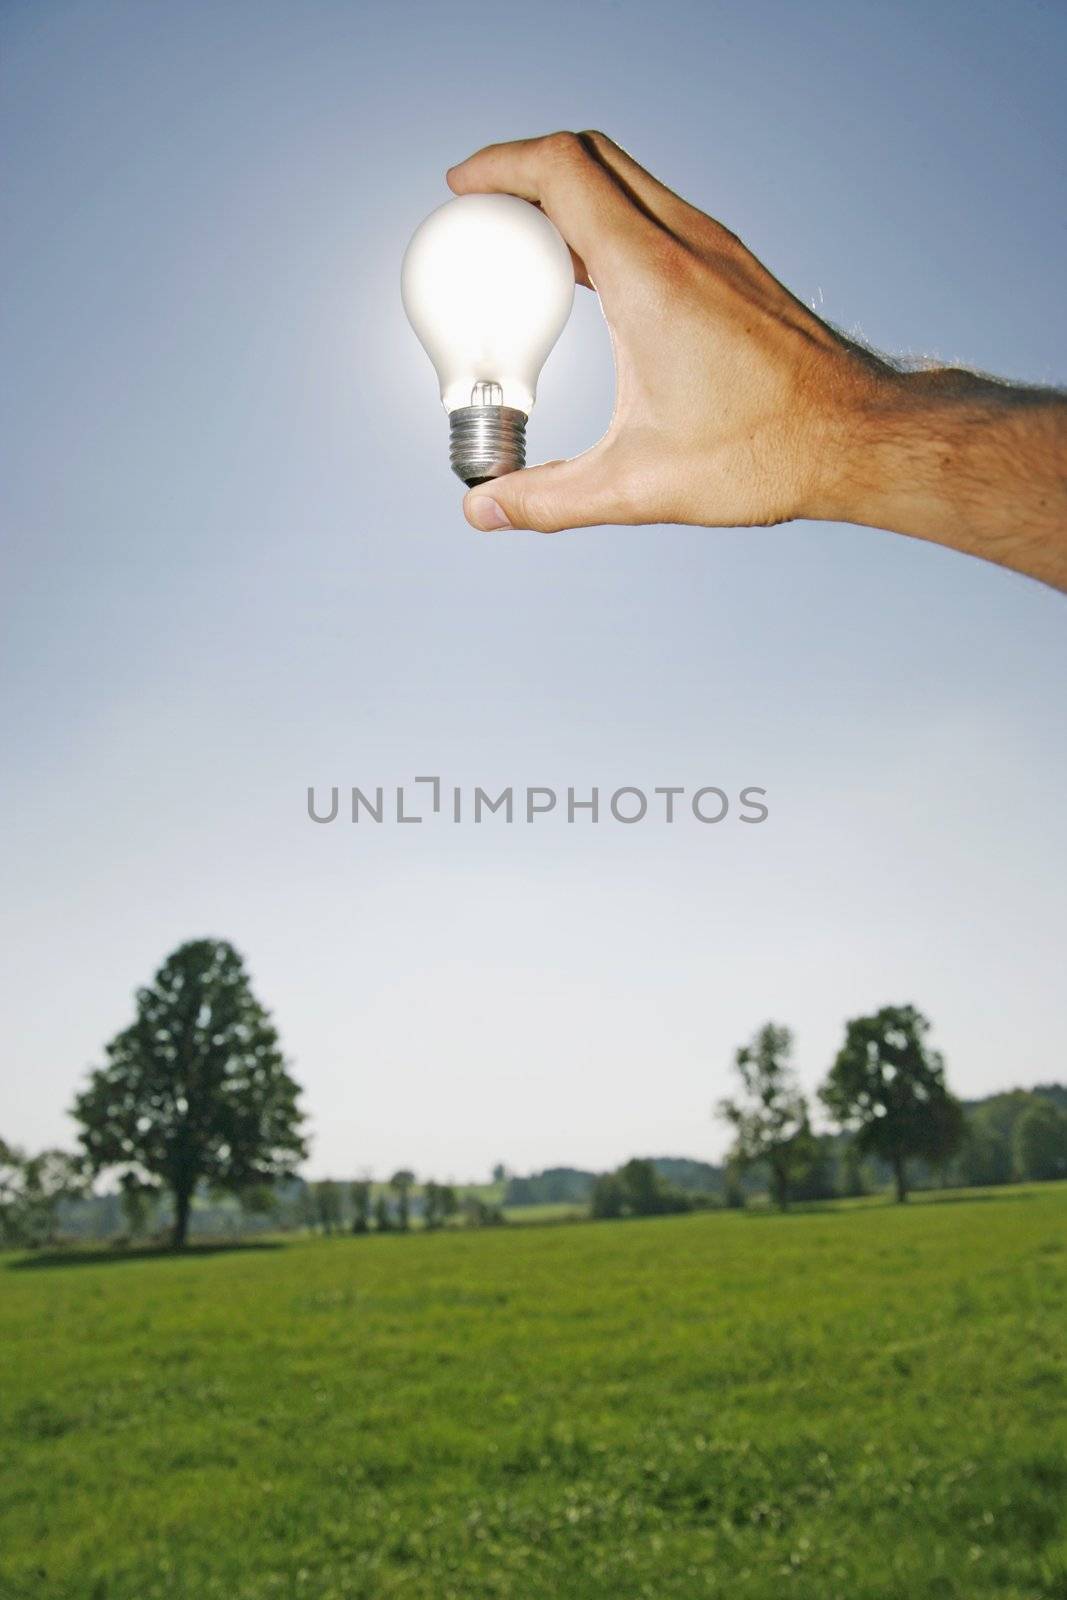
[960, 460]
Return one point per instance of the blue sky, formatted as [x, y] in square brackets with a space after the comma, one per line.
[235, 565]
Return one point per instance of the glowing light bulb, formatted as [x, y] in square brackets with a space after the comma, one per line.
[488, 285]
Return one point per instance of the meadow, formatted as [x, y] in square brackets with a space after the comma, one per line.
[864, 1402]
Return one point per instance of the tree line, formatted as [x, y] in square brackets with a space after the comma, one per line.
[195, 1097]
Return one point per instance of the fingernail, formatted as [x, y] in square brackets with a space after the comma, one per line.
[486, 514]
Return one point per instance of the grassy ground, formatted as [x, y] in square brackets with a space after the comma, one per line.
[863, 1402]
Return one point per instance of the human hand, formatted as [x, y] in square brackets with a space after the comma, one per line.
[728, 390]
[735, 405]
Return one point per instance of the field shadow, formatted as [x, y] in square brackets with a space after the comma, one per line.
[915, 1201]
[116, 1255]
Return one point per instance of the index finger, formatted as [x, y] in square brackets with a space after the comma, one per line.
[592, 212]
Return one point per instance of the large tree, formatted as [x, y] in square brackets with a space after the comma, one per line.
[770, 1120]
[196, 1089]
[888, 1088]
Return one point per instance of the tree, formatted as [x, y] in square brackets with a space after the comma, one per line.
[635, 1190]
[431, 1217]
[853, 1178]
[986, 1150]
[382, 1220]
[1040, 1145]
[770, 1122]
[888, 1088]
[196, 1089]
[812, 1174]
[137, 1201]
[733, 1188]
[360, 1194]
[607, 1199]
[11, 1163]
[32, 1189]
[401, 1184]
[439, 1204]
[328, 1204]
[307, 1210]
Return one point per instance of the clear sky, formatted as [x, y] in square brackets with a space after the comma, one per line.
[235, 565]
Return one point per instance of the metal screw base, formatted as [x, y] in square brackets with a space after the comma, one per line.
[485, 442]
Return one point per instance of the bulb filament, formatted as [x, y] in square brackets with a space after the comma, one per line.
[487, 394]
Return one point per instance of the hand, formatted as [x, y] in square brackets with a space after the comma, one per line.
[735, 405]
[727, 388]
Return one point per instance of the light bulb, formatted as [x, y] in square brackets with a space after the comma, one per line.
[488, 285]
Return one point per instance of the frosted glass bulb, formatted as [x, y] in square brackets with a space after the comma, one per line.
[488, 285]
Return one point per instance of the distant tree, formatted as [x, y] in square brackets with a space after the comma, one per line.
[196, 1089]
[682, 1172]
[32, 1189]
[985, 1153]
[607, 1199]
[431, 1217]
[402, 1183]
[439, 1204]
[479, 1213]
[733, 1189]
[636, 1190]
[888, 1088]
[360, 1196]
[1041, 1142]
[137, 1202]
[328, 1205]
[500, 1173]
[258, 1200]
[12, 1163]
[307, 1210]
[984, 1158]
[770, 1121]
[383, 1220]
[556, 1184]
[853, 1177]
[812, 1174]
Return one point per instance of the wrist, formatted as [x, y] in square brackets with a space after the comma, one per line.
[908, 451]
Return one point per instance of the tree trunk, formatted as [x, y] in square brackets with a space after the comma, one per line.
[182, 1203]
[901, 1179]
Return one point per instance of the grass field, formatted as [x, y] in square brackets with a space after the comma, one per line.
[857, 1402]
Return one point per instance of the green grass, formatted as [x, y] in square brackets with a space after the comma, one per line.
[862, 1403]
[546, 1211]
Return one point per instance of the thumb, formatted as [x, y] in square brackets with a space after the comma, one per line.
[561, 494]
